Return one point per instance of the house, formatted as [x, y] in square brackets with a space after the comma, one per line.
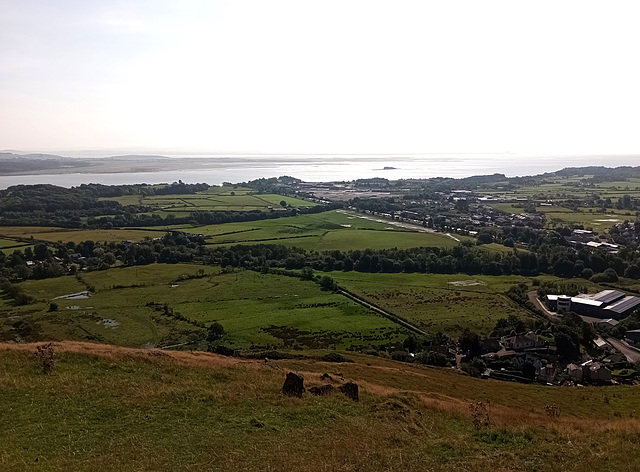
[595, 372]
[548, 373]
[520, 360]
[521, 341]
[615, 359]
[600, 343]
[575, 372]
[490, 345]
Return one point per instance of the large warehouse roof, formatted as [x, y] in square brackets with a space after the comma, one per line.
[626, 304]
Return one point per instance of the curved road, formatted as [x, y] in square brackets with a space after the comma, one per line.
[533, 298]
[632, 354]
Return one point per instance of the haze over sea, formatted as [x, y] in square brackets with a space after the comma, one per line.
[318, 168]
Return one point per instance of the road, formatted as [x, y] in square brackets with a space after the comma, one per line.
[632, 354]
[533, 298]
[399, 224]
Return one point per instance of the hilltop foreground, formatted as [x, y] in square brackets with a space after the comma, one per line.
[113, 408]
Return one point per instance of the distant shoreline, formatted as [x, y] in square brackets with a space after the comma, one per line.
[67, 172]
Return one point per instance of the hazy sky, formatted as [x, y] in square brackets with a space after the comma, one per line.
[321, 76]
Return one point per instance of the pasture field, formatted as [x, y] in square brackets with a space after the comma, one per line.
[570, 188]
[110, 409]
[53, 234]
[557, 215]
[10, 250]
[597, 221]
[214, 199]
[126, 306]
[9, 245]
[436, 302]
[323, 231]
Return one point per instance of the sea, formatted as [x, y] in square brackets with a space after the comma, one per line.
[329, 168]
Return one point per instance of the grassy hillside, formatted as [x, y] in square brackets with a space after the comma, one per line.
[106, 408]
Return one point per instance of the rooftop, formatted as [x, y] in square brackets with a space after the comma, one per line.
[627, 303]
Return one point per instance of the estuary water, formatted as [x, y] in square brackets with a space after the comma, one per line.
[317, 168]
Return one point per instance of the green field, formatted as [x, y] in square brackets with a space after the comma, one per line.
[9, 245]
[53, 234]
[214, 199]
[435, 302]
[323, 231]
[110, 409]
[587, 217]
[126, 307]
[574, 187]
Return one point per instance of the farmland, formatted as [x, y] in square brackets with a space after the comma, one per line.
[213, 199]
[9, 245]
[587, 217]
[562, 187]
[126, 306]
[53, 234]
[319, 232]
[322, 231]
[445, 303]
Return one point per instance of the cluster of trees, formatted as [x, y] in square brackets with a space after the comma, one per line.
[556, 260]
[50, 205]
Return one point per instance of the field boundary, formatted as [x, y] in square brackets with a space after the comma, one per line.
[387, 314]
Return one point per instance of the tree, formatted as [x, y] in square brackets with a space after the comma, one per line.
[504, 326]
[470, 343]
[529, 370]
[215, 332]
[283, 203]
[306, 273]
[485, 238]
[608, 275]
[327, 283]
[632, 272]
[410, 343]
[432, 358]
[474, 368]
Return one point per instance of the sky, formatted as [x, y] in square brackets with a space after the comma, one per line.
[301, 76]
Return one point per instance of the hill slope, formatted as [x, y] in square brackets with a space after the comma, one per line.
[114, 408]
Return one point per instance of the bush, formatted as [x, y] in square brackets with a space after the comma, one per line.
[46, 356]
[335, 357]
[432, 358]
[608, 275]
[222, 350]
[475, 368]
[402, 356]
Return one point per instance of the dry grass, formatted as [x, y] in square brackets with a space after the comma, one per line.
[114, 408]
